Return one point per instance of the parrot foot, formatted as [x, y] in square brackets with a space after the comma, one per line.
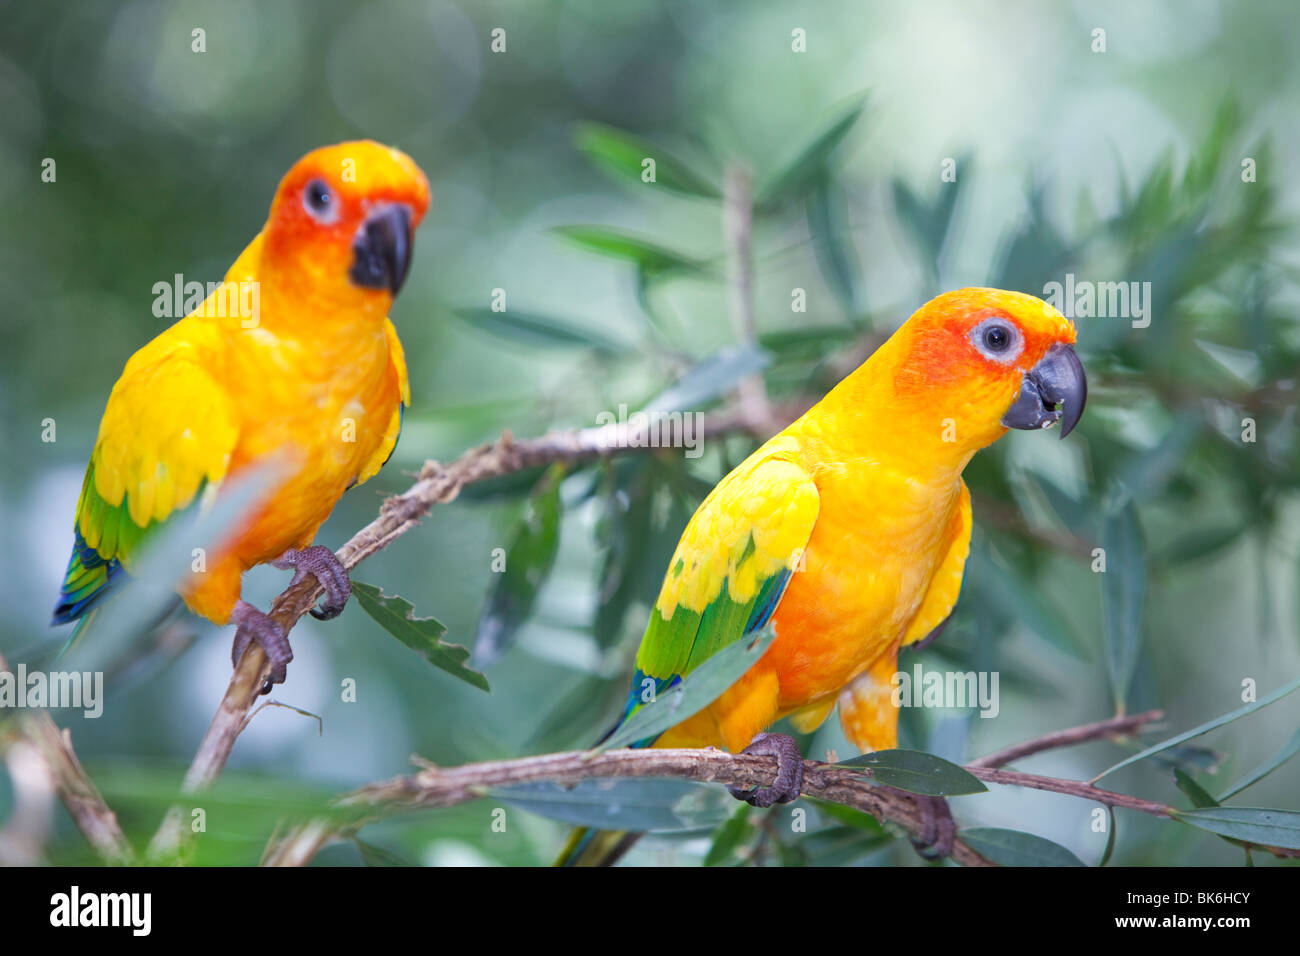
[789, 771]
[938, 829]
[252, 625]
[320, 563]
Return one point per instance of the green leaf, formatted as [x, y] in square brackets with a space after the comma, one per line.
[1145, 475]
[1199, 543]
[1015, 848]
[929, 223]
[1006, 591]
[529, 558]
[812, 162]
[1124, 588]
[917, 772]
[696, 691]
[1110, 837]
[1199, 796]
[642, 805]
[423, 634]
[833, 245]
[712, 377]
[1204, 728]
[622, 154]
[1263, 770]
[1249, 824]
[542, 331]
[729, 837]
[653, 259]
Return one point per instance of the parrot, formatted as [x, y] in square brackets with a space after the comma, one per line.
[307, 373]
[847, 533]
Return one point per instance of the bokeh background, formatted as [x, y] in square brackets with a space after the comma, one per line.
[1122, 165]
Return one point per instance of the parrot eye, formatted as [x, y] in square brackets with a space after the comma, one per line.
[996, 339]
[318, 199]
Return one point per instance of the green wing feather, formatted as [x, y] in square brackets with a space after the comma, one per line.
[733, 562]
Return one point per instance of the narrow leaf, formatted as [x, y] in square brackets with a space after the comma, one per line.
[917, 772]
[624, 154]
[1263, 770]
[1124, 587]
[643, 805]
[833, 245]
[729, 837]
[1110, 837]
[423, 634]
[542, 331]
[799, 175]
[1015, 848]
[617, 244]
[714, 376]
[1249, 824]
[528, 562]
[1204, 728]
[1199, 796]
[696, 691]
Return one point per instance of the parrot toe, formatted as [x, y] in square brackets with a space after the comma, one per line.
[938, 829]
[253, 625]
[321, 563]
[789, 771]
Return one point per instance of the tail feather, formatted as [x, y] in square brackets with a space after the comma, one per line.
[88, 579]
[588, 847]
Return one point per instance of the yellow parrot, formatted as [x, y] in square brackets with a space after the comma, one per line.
[848, 532]
[292, 359]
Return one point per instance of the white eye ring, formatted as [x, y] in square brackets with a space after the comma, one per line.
[320, 202]
[998, 340]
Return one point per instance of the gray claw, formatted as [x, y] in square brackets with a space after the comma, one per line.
[789, 771]
[322, 564]
[252, 625]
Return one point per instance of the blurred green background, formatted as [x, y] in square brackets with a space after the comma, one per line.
[1123, 165]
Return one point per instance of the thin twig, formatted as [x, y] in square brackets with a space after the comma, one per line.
[738, 226]
[1111, 727]
[434, 787]
[97, 823]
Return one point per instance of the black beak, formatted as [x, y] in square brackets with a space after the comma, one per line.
[381, 252]
[1057, 380]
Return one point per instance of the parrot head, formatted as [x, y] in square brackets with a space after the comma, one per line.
[342, 224]
[989, 360]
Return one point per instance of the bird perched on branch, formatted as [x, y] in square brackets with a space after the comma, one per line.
[291, 359]
[848, 533]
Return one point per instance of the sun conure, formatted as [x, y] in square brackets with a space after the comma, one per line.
[848, 532]
[291, 359]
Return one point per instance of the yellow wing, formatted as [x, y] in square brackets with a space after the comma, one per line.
[945, 586]
[733, 562]
[394, 431]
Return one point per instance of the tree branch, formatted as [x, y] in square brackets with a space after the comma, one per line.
[436, 484]
[434, 787]
[738, 226]
[79, 795]
[1111, 727]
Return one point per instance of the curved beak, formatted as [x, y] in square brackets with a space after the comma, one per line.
[381, 251]
[1057, 380]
